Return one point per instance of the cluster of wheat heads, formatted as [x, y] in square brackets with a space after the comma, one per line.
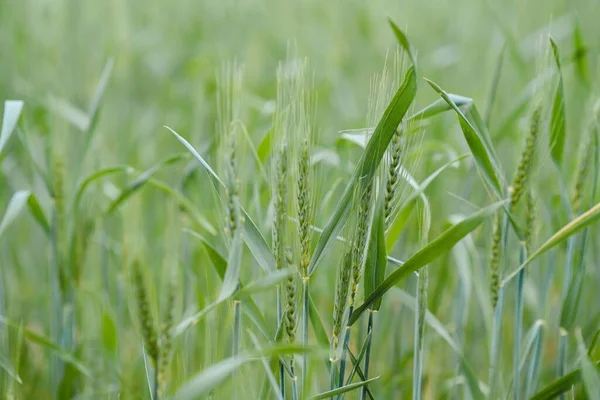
[365, 225]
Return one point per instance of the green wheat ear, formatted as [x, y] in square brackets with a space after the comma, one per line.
[582, 172]
[303, 197]
[530, 220]
[495, 259]
[166, 339]
[290, 310]
[341, 301]
[360, 240]
[280, 209]
[144, 315]
[519, 184]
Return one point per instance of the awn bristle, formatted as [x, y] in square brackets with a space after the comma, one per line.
[525, 164]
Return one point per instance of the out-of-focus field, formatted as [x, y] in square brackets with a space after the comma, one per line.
[69, 321]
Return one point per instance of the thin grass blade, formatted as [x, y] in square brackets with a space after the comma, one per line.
[427, 254]
[12, 112]
[367, 165]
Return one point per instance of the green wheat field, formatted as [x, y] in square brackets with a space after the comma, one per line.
[263, 199]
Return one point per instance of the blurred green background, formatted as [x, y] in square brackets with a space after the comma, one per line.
[164, 56]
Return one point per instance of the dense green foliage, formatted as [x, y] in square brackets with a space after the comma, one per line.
[139, 261]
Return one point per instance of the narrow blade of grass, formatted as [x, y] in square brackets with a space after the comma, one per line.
[439, 106]
[576, 225]
[367, 165]
[231, 281]
[343, 389]
[251, 235]
[49, 345]
[562, 384]
[591, 380]
[427, 254]
[264, 147]
[440, 329]
[558, 119]
[83, 185]
[10, 371]
[256, 243]
[140, 181]
[494, 86]
[376, 262]
[397, 225]
[403, 41]
[12, 112]
[16, 204]
[482, 155]
[212, 376]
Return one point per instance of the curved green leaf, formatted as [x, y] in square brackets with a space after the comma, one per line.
[141, 181]
[231, 280]
[368, 164]
[92, 178]
[576, 225]
[12, 112]
[561, 385]
[427, 254]
[251, 235]
[376, 262]
[15, 205]
[213, 375]
[439, 106]
[591, 380]
[343, 389]
[558, 116]
[481, 153]
[403, 41]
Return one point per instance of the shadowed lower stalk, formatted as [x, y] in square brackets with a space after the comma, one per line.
[363, 392]
[419, 333]
[563, 336]
[358, 259]
[305, 308]
[339, 309]
[498, 303]
[533, 373]
[518, 324]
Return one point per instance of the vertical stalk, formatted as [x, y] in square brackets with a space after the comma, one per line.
[518, 324]
[305, 310]
[419, 332]
[55, 299]
[497, 322]
[562, 355]
[532, 374]
[281, 368]
[237, 323]
[363, 392]
[345, 351]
